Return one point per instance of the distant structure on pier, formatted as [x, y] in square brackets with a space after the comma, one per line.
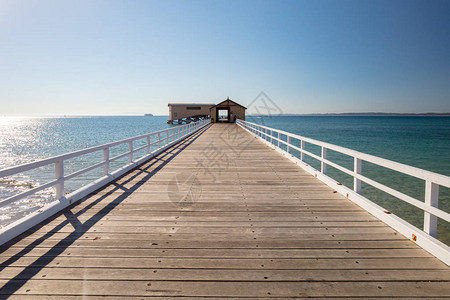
[180, 113]
[226, 111]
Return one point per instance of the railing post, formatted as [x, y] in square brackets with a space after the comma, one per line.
[148, 144]
[278, 139]
[323, 165]
[130, 147]
[271, 136]
[431, 199]
[106, 160]
[288, 143]
[357, 170]
[302, 146]
[159, 140]
[59, 174]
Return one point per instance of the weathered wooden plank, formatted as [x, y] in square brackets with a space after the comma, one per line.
[46, 297]
[123, 226]
[239, 253]
[93, 240]
[224, 288]
[354, 216]
[226, 252]
[218, 233]
[87, 273]
[230, 263]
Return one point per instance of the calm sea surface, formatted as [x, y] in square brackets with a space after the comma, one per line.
[423, 142]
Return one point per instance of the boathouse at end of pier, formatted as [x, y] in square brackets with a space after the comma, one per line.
[227, 111]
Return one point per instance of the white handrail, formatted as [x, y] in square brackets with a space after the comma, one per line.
[165, 139]
[273, 137]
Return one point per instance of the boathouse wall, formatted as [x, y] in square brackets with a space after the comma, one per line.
[234, 110]
[179, 111]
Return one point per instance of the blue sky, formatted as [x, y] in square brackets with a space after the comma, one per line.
[119, 57]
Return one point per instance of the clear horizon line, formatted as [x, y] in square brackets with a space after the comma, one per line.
[163, 115]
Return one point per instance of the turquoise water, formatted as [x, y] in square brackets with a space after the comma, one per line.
[423, 142]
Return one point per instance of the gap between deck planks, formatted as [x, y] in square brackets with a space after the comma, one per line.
[218, 215]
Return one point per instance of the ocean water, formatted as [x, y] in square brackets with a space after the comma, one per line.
[24, 140]
[423, 142]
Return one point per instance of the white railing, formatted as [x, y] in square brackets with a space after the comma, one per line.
[426, 239]
[162, 140]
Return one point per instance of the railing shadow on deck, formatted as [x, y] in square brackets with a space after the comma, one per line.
[45, 259]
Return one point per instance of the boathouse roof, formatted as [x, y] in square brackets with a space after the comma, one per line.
[228, 102]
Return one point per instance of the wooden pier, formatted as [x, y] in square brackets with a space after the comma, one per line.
[219, 215]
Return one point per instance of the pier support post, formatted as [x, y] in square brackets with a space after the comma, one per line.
[59, 174]
[432, 199]
[357, 170]
[130, 147]
[288, 143]
[106, 160]
[302, 146]
[323, 165]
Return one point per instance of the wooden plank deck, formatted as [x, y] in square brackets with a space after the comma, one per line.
[220, 215]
